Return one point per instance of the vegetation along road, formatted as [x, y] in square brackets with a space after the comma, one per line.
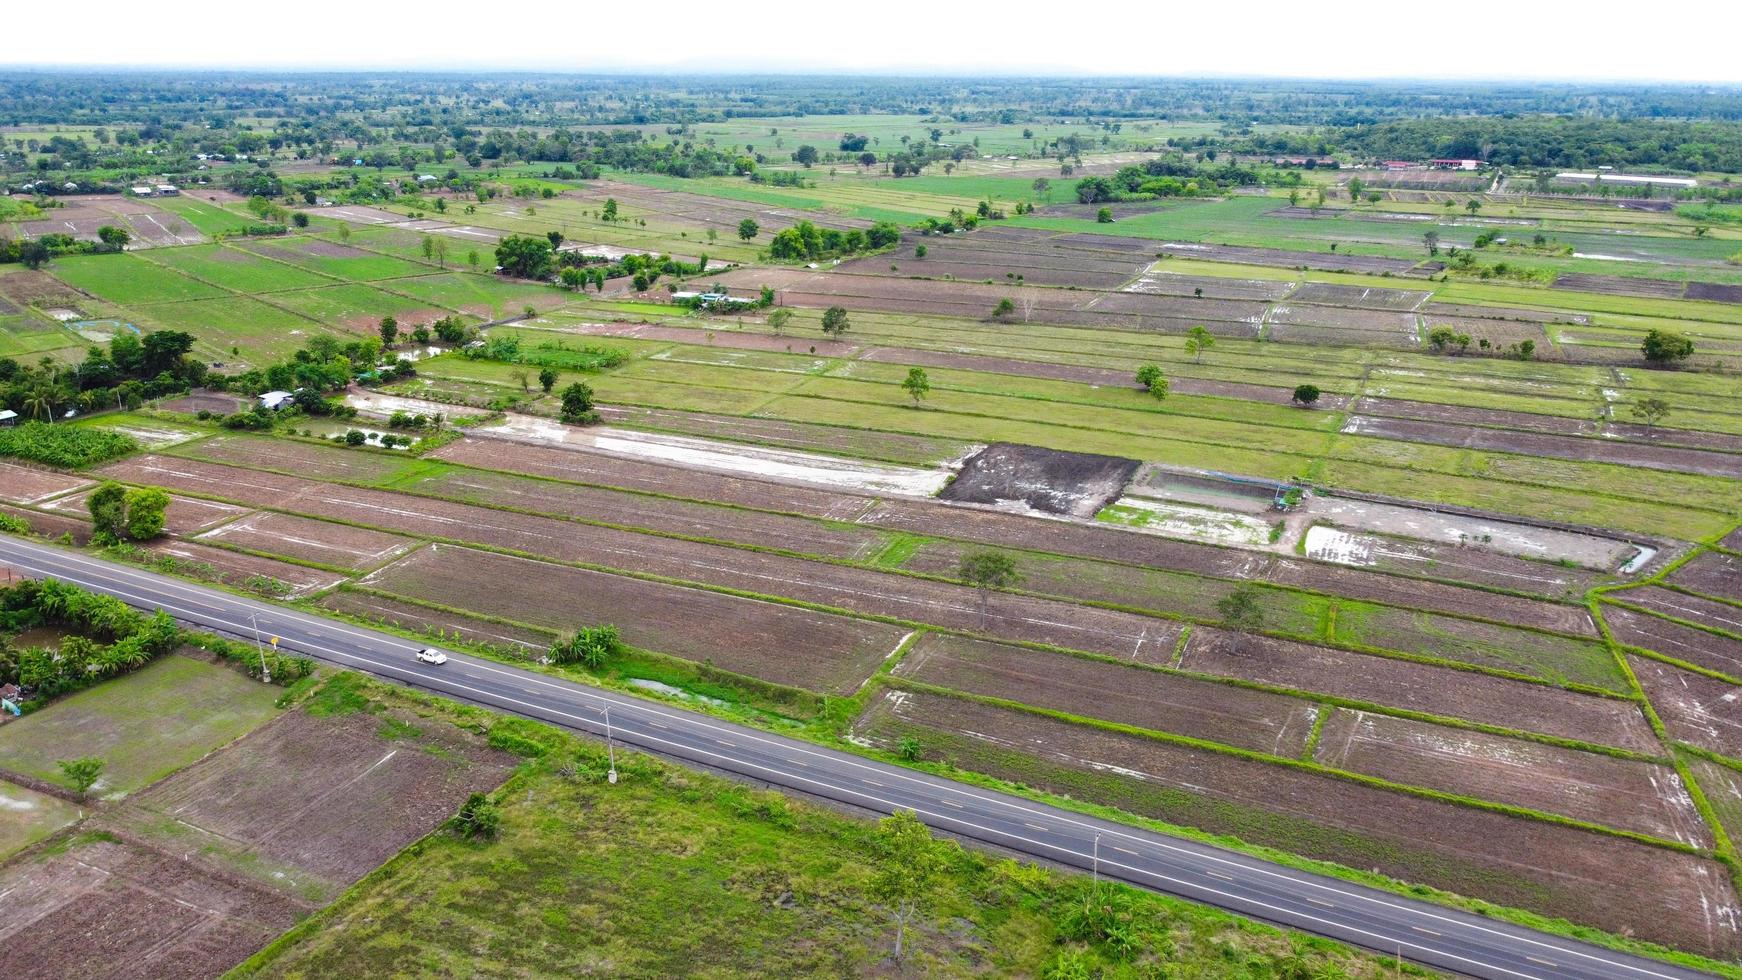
[1418, 931]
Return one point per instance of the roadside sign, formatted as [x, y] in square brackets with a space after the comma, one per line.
[274, 642]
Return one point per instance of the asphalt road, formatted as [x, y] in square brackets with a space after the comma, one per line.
[1420, 932]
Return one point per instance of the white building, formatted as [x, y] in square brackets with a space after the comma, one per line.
[276, 400]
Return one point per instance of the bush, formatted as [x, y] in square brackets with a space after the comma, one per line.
[64, 445]
[478, 817]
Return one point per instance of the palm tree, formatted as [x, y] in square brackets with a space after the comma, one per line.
[39, 403]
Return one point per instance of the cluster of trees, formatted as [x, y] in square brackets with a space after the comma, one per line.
[1553, 141]
[108, 637]
[323, 364]
[34, 253]
[1170, 176]
[1444, 339]
[805, 241]
[121, 513]
[65, 446]
[131, 369]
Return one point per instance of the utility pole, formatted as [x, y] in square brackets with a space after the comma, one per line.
[1097, 862]
[610, 749]
[265, 671]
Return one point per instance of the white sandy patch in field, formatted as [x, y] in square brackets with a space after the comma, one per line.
[757, 462]
[1191, 523]
[1522, 540]
[1605, 258]
[154, 438]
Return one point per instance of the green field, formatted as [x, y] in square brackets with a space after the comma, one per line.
[143, 725]
[27, 816]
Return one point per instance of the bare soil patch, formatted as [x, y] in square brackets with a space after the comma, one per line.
[1544, 444]
[423, 619]
[1165, 283]
[1713, 573]
[1465, 415]
[1616, 884]
[1134, 696]
[695, 520]
[343, 797]
[1284, 259]
[1693, 609]
[780, 644]
[1684, 643]
[1047, 480]
[29, 485]
[234, 568]
[33, 287]
[1696, 709]
[51, 525]
[1714, 292]
[338, 545]
[1621, 285]
[888, 446]
[1450, 563]
[1360, 297]
[1637, 796]
[1419, 687]
[216, 402]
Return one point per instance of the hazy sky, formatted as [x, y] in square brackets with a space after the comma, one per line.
[1558, 39]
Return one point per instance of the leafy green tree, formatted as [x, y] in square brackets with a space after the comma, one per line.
[590, 647]
[610, 211]
[835, 322]
[108, 507]
[355, 437]
[1150, 378]
[145, 510]
[1104, 216]
[389, 330]
[1650, 411]
[748, 229]
[547, 379]
[82, 774]
[1004, 309]
[1432, 240]
[572, 277]
[113, 237]
[910, 861]
[577, 408]
[1240, 608]
[917, 385]
[1472, 205]
[1198, 340]
[778, 320]
[1305, 395]
[806, 155]
[919, 251]
[524, 256]
[987, 570]
[1666, 347]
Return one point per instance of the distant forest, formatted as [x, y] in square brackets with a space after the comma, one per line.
[151, 121]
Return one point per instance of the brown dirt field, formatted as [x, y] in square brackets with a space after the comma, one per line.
[234, 568]
[120, 909]
[1703, 612]
[781, 644]
[1637, 796]
[1562, 660]
[205, 401]
[1715, 292]
[1712, 573]
[1163, 283]
[1280, 258]
[973, 259]
[724, 337]
[1733, 540]
[1433, 309]
[1431, 596]
[1499, 333]
[51, 525]
[33, 287]
[321, 462]
[1360, 297]
[1419, 687]
[617, 507]
[1662, 436]
[356, 214]
[29, 485]
[1552, 446]
[1388, 323]
[581, 466]
[315, 541]
[1135, 696]
[1621, 285]
[183, 516]
[342, 797]
[1684, 643]
[1616, 884]
[422, 619]
[1398, 408]
[1696, 709]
